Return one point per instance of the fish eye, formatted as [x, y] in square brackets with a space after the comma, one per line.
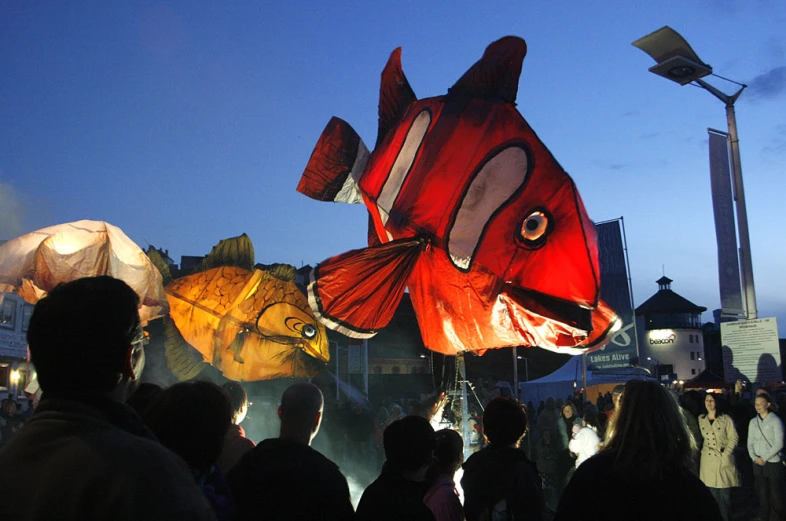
[309, 331]
[535, 228]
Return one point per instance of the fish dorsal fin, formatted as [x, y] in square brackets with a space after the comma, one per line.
[285, 272]
[158, 261]
[237, 251]
[395, 95]
[495, 76]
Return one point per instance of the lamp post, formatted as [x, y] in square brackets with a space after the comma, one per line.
[676, 61]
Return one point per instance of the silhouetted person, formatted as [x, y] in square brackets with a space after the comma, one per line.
[398, 492]
[284, 478]
[441, 497]
[144, 395]
[84, 454]
[648, 460]
[191, 419]
[500, 482]
[235, 443]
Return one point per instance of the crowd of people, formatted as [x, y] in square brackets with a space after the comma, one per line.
[101, 446]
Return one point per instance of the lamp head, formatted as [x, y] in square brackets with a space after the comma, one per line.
[677, 61]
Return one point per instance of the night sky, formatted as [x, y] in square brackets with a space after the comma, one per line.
[187, 122]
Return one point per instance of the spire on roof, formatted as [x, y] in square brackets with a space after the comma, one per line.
[664, 283]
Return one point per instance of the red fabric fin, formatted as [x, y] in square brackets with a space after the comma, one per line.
[605, 323]
[356, 293]
[338, 153]
[496, 75]
[395, 95]
[373, 238]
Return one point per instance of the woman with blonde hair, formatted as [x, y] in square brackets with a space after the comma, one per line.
[648, 463]
[717, 469]
[765, 442]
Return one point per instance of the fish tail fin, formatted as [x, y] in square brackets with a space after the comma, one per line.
[184, 361]
[356, 293]
[605, 322]
[335, 165]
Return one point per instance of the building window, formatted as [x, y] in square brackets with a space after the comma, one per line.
[690, 339]
[27, 312]
[396, 369]
[692, 355]
[692, 371]
[8, 314]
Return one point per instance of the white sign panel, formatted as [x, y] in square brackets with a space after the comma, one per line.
[750, 350]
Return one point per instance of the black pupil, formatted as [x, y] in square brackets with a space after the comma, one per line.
[532, 224]
[308, 331]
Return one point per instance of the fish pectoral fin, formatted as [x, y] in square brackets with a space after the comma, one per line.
[356, 293]
[183, 361]
[237, 346]
[335, 165]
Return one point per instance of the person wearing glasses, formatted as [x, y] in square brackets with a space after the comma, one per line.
[84, 454]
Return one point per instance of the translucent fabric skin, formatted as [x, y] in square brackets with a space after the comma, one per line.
[250, 325]
[508, 254]
[35, 263]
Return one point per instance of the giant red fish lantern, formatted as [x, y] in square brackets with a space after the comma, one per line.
[469, 211]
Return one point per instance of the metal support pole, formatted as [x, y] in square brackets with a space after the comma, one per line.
[515, 374]
[584, 374]
[461, 369]
[365, 367]
[746, 263]
[338, 376]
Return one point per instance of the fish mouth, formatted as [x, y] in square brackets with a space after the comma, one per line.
[563, 311]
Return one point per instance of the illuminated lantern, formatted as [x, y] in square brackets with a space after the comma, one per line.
[251, 324]
[469, 210]
[35, 263]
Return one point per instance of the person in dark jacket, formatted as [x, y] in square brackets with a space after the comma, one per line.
[85, 454]
[500, 482]
[647, 460]
[398, 492]
[284, 478]
[191, 419]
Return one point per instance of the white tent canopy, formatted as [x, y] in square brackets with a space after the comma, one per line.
[565, 380]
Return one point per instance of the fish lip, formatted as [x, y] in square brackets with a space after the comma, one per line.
[560, 310]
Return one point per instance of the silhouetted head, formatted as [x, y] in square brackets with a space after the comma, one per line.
[504, 422]
[409, 446]
[649, 434]
[145, 394]
[191, 419]
[301, 412]
[85, 337]
[448, 452]
[238, 400]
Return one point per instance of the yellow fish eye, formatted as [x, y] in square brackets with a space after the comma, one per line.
[309, 331]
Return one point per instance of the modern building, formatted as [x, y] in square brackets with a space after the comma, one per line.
[671, 340]
[15, 315]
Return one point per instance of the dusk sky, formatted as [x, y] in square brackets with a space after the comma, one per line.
[184, 123]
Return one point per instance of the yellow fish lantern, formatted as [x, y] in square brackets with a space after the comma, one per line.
[250, 324]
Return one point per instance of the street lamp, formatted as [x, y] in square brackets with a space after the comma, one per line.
[677, 61]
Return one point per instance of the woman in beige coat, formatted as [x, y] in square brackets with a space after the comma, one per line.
[717, 469]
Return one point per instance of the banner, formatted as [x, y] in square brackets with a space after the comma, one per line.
[615, 290]
[725, 227]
